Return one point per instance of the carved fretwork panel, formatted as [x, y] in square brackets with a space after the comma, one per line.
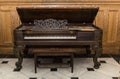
[51, 24]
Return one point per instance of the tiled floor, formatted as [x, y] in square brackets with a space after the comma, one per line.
[109, 69]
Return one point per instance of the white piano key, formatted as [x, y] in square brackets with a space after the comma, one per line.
[50, 37]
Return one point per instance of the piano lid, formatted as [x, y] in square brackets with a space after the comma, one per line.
[72, 15]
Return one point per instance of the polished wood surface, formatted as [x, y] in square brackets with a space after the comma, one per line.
[108, 19]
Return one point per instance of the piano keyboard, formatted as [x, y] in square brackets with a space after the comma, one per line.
[50, 37]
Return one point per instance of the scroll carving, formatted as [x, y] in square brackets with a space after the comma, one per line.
[51, 24]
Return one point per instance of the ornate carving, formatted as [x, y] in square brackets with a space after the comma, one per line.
[51, 24]
[19, 50]
[98, 50]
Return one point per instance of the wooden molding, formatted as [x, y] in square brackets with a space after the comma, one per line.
[56, 2]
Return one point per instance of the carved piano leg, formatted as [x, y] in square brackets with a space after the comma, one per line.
[20, 59]
[98, 51]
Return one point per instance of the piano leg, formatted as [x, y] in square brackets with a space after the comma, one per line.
[20, 59]
[98, 51]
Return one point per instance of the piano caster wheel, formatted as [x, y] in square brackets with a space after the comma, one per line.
[97, 65]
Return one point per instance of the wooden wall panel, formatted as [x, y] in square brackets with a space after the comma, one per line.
[7, 28]
[0, 29]
[118, 29]
[108, 19]
[112, 26]
[8, 21]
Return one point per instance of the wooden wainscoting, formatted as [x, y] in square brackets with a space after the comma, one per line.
[108, 19]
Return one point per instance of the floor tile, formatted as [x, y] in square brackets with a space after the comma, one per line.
[74, 78]
[4, 62]
[90, 69]
[32, 78]
[94, 75]
[53, 69]
[114, 77]
[108, 70]
[102, 61]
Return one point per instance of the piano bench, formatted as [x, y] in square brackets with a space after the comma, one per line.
[54, 53]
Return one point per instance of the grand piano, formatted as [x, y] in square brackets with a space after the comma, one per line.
[61, 27]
